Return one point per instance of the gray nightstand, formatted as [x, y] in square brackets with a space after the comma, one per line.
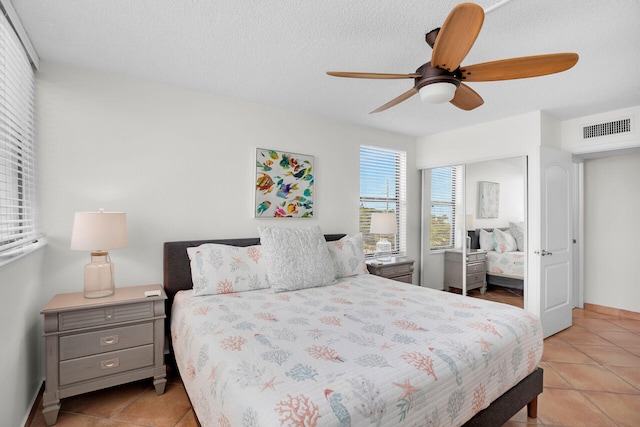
[400, 269]
[97, 343]
[475, 267]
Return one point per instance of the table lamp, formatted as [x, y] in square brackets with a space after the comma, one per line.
[383, 224]
[470, 227]
[98, 232]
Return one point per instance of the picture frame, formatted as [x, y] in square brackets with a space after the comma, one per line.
[284, 184]
[488, 199]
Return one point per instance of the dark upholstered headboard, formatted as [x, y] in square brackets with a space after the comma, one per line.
[177, 270]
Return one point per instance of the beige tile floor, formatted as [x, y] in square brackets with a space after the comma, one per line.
[591, 378]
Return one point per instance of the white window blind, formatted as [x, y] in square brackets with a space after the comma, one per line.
[17, 162]
[383, 175]
[445, 188]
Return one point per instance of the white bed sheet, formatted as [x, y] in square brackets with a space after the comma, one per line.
[508, 264]
[364, 351]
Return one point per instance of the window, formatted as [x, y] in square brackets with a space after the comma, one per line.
[383, 189]
[444, 200]
[17, 163]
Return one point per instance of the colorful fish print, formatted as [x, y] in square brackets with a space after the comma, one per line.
[263, 207]
[285, 189]
[264, 183]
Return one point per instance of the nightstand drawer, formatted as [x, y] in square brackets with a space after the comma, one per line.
[406, 279]
[100, 365]
[475, 278]
[476, 268]
[104, 316]
[476, 256]
[398, 269]
[73, 346]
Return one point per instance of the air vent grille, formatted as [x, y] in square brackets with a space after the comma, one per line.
[604, 129]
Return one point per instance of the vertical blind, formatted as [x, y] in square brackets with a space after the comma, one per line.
[383, 174]
[444, 195]
[17, 162]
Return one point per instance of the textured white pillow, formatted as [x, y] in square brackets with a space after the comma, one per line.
[297, 258]
[348, 256]
[486, 240]
[222, 269]
[517, 231]
[504, 241]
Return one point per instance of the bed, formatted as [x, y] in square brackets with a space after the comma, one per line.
[505, 267]
[361, 351]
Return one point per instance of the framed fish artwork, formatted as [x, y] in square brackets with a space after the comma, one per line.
[284, 184]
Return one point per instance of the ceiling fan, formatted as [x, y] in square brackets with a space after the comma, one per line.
[441, 79]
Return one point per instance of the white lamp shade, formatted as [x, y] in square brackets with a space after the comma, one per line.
[99, 231]
[437, 93]
[383, 223]
[470, 225]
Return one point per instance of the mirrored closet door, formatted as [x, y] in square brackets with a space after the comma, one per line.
[474, 218]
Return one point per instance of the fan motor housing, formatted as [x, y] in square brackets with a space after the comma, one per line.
[430, 75]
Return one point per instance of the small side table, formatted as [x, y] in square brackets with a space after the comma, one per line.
[400, 269]
[103, 342]
[474, 265]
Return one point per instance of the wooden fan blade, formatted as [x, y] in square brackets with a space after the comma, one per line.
[373, 75]
[457, 35]
[395, 101]
[519, 68]
[466, 98]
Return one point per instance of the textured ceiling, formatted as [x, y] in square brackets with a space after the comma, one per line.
[276, 52]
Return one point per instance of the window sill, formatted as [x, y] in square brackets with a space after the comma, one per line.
[23, 251]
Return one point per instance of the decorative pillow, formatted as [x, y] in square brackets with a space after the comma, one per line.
[486, 240]
[517, 231]
[348, 256]
[222, 269]
[296, 258]
[504, 241]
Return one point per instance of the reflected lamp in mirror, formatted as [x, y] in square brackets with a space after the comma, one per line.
[383, 224]
[470, 227]
[99, 232]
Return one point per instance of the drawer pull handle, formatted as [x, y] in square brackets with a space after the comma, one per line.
[108, 314]
[111, 363]
[110, 340]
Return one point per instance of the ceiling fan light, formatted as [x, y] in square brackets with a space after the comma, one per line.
[437, 93]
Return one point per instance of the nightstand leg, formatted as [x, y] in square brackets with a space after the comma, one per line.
[483, 289]
[50, 413]
[160, 383]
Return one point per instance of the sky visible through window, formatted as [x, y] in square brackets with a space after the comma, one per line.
[381, 182]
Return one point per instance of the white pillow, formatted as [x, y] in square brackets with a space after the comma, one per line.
[348, 256]
[222, 269]
[486, 240]
[504, 241]
[517, 231]
[296, 258]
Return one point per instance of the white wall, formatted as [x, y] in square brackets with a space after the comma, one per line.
[612, 203]
[572, 132]
[509, 173]
[181, 165]
[510, 137]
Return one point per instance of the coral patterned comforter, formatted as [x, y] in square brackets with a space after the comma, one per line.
[364, 351]
[508, 264]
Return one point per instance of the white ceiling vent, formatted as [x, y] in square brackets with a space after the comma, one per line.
[605, 129]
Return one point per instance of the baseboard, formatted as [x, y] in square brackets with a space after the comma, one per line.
[627, 314]
[35, 404]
